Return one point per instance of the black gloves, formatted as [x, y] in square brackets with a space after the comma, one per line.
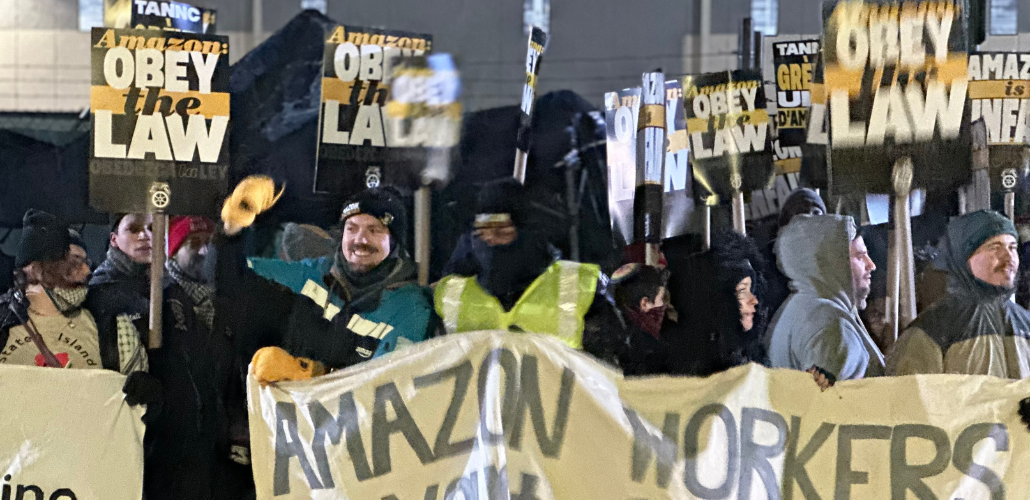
[1024, 412]
[823, 378]
[142, 388]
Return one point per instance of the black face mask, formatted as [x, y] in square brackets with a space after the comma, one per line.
[506, 270]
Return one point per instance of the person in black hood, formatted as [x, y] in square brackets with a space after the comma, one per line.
[629, 335]
[718, 294]
[505, 276]
[500, 239]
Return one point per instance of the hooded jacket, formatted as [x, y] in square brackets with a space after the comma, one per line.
[975, 329]
[709, 336]
[818, 325]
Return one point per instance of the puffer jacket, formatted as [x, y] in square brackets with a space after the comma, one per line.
[974, 330]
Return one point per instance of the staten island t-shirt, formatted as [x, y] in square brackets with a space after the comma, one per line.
[72, 340]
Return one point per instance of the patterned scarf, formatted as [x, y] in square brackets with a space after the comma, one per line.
[202, 294]
[118, 266]
[67, 300]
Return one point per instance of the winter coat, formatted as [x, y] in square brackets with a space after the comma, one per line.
[274, 303]
[974, 330]
[818, 325]
[114, 292]
[709, 337]
[189, 439]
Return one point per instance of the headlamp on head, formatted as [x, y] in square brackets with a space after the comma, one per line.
[485, 221]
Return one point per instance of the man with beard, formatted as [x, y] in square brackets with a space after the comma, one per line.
[187, 459]
[42, 319]
[975, 329]
[331, 312]
[818, 326]
[119, 294]
[506, 277]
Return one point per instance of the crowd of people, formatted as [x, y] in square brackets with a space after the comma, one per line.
[793, 304]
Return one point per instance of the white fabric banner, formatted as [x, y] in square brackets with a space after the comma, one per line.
[68, 435]
[493, 415]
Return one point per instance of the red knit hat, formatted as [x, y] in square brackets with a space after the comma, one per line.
[182, 227]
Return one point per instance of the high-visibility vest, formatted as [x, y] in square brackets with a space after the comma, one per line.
[554, 304]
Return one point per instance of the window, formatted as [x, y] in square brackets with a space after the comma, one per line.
[319, 5]
[536, 13]
[1003, 17]
[91, 14]
[765, 16]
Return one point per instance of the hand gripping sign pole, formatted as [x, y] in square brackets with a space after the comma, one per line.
[647, 203]
[537, 42]
[901, 268]
[160, 197]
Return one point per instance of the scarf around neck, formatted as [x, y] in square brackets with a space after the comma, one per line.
[117, 267]
[202, 294]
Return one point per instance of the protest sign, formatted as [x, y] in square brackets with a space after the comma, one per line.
[999, 89]
[422, 119]
[159, 14]
[793, 65]
[352, 144]
[729, 131]
[497, 415]
[68, 435]
[160, 113]
[896, 79]
[622, 110]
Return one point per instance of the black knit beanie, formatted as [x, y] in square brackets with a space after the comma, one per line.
[383, 203]
[43, 238]
[499, 201]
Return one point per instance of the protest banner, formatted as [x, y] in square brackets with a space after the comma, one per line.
[896, 79]
[999, 89]
[793, 65]
[68, 435]
[352, 143]
[730, 136]
[160, 113]
[159, 14]
[497, 415]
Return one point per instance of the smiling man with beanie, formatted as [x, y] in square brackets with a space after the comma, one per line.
[975, 329]
[332, 312]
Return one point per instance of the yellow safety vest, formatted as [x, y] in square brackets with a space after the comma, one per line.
[554, 304]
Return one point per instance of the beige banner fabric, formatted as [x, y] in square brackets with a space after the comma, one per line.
[68, 435]
[492, 415]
